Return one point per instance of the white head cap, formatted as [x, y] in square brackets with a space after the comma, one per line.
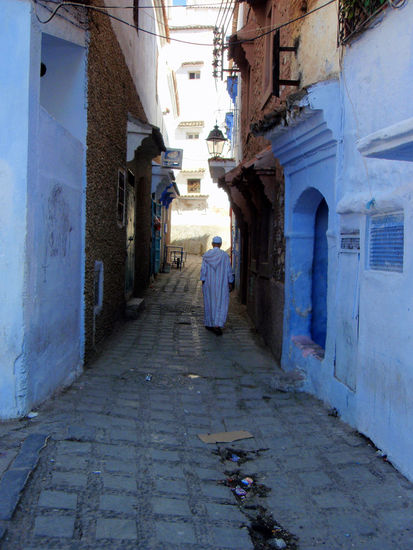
[217, 240]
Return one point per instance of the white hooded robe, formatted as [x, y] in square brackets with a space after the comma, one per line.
[217, 273]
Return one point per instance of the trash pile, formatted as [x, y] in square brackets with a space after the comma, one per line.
[244, 487]
[237, 455]
[266, 534]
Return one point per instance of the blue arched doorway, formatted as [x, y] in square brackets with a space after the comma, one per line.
[319, 276]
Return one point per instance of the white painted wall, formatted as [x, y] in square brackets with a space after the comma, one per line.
[141, 53]
[204, 100]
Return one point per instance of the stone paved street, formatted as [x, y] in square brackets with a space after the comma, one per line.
[123, 467]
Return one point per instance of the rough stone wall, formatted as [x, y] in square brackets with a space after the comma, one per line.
[253, 110]
[265, 297]
[111, 96]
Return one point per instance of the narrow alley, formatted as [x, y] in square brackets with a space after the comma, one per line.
[121, 465]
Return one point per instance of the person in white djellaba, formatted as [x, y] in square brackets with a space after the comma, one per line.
[217, 282]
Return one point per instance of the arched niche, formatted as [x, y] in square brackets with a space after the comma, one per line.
[309, 265]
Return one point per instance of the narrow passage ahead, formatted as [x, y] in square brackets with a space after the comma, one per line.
[123, 466]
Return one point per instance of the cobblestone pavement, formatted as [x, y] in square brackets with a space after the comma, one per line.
[122, 466]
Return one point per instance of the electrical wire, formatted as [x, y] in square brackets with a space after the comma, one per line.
[101, 10]
[225, 11]
[208, 5]
[219, 13]
[274, 29]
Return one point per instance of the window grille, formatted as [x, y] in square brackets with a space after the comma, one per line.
[350, 242]
[386, 242]
[355, 15]
[194, 75]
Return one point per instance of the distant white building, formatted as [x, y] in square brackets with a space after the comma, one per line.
[202, 210]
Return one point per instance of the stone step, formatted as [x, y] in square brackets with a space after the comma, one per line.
[133, 307]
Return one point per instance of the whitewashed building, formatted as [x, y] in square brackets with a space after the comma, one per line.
[202, 210]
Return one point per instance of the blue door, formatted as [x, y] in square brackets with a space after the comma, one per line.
[319, 276]
[156, 238]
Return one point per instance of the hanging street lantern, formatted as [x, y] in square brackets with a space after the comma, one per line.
[215, 142]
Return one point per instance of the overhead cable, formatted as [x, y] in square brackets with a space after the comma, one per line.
[101, 10]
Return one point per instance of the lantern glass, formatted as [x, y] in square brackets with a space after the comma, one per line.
[215, 142]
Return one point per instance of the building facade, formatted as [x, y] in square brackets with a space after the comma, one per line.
[342, 159]
[79, 132]
[202, 210]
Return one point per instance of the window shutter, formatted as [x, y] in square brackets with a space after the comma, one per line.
[386, 242]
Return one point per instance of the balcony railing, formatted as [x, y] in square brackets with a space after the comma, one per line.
[355, 15]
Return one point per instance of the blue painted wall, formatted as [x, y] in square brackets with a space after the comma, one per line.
[377, 93]
[15, 39]
[42, 180]
[366, 371]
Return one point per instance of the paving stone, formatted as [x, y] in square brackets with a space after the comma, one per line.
[224, 512]
[172, 487]
[238, 539]
[122, 466]
[123, 435]
[11, 486]
[315, 479]
[167, 470]
[208, 474]
[175, 533]
[54, 526]
[169, 506]
[332, 499]
[69, 447]
[213, 490]
[71, 462]
[122, 504]
[121, 483]
[69, 479]
[357, 474]
[117, 529]
[164, 456]
[58, 499]
[164, 439]
[119, 451]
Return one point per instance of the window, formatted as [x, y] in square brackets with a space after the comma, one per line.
[194, 186]
[194, 75]
[386, 242]
[121, 198]
[192, 135]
